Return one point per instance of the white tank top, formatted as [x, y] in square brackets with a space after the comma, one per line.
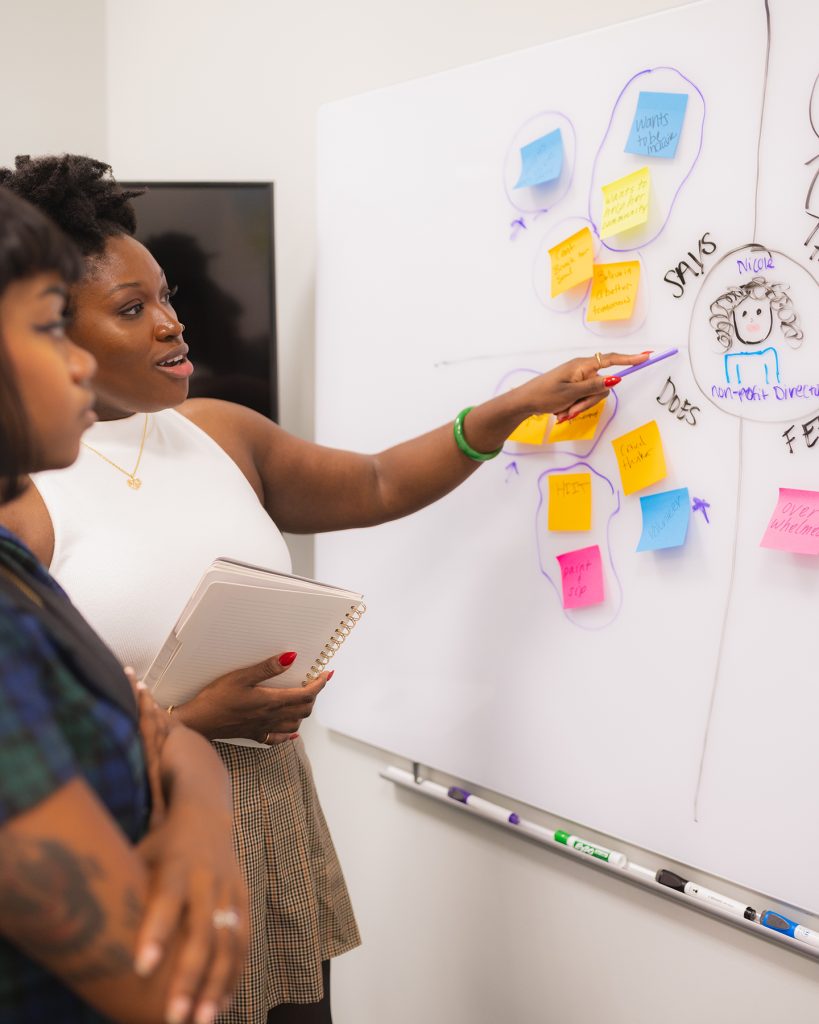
[129, 559]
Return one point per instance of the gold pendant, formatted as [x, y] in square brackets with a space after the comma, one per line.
[134, 483]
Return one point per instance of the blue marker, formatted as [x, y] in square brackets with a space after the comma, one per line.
[784, 925]
[486, 808]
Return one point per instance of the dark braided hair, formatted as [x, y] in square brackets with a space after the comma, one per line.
[78, 193]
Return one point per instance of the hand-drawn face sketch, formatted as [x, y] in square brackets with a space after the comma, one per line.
[748, 345]
[812, 198]
[744, 319]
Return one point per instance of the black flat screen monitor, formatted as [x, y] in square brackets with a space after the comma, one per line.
[214, 241]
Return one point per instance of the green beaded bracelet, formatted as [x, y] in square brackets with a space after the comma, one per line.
[463, 444]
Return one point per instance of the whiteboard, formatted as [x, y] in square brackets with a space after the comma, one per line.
[681, 713]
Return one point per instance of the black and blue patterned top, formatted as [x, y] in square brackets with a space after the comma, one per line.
[66, 711]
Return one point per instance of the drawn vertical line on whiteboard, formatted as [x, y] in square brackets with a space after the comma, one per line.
[718, 666]
[762, 112]
[712, 701]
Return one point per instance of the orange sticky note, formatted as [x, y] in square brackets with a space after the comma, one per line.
[572, 261]
[625, 203]
[582, 428]
[613, 291]
[570, 498]
[531, 431]
[640, 457]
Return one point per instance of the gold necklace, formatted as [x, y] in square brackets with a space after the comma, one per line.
[133, 480]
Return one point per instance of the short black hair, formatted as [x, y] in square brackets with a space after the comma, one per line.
[29, 244]
[78, 193]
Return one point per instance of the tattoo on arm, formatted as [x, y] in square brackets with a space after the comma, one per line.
[49, 907]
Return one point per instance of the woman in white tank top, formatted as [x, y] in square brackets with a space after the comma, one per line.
[214, 479]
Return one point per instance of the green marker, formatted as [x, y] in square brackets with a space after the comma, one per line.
[617, 860]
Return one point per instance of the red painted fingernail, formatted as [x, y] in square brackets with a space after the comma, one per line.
[330, 674]
[611, 381]
[646, 351]
[294, 735]
[287, 658]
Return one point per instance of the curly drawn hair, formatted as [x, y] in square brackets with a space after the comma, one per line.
[29, 245]
[722, 310]
[79, 194]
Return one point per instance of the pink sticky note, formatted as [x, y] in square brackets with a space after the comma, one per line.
[794, 526]
[582, 575]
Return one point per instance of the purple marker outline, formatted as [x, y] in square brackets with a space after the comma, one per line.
[512, 145]
[559, 590]
[648, 71]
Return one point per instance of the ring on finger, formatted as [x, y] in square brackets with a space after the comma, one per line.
[599, 359]
[226, 917]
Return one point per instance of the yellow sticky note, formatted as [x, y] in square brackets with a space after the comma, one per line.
[582, 428]
[570, 496]
[572, 261]
[625, 203]
[531, 431]
[640, 457]
[613, 291]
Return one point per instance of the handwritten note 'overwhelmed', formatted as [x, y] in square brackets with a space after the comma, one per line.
[541, 161]
[581, 573]
[655, 130]
[625, 203]
[640, 457]
[582, 428]
[665, 519]
[570, 501]
[532, 430]
[614, 290]
[794, 526]
[572, 261]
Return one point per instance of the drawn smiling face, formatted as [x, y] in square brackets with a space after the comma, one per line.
[753, 321]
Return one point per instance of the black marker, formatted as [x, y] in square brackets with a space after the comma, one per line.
[697, 892]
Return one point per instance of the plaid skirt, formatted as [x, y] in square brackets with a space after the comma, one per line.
[300, 911]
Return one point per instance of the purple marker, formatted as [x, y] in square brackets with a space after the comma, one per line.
[648, 362]
[483, 807]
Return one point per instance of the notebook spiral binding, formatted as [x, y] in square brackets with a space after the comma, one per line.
[339, 635]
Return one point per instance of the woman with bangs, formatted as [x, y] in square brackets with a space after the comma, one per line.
[120, 898]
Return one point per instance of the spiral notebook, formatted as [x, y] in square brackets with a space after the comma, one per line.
[240, 614]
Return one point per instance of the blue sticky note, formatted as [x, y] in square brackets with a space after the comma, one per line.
[665, 519]
[655, 130]
[541, 161]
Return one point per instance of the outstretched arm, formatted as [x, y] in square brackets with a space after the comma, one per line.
[307, 488]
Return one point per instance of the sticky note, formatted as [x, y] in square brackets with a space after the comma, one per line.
[581, 573]
[532, 430]
[570, 501]
[640, 457]
[794, 525]
[625, 203]
[655, 130]
[582, 428]
[665, 519]
[613, 291]
[572, 261]
[541, 161]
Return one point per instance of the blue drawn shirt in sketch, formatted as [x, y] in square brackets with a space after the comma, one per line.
[746, 368]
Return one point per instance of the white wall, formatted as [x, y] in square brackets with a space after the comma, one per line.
[52, 77]
[463, 923]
